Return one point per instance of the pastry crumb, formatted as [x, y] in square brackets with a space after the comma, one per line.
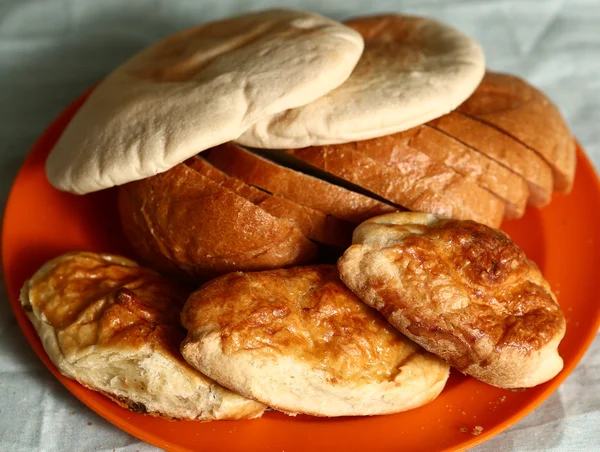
[464, 429]
[477, 430]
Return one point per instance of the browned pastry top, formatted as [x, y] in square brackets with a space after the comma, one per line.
[483, 286]
[105, 300]
[303, 312]
[461, 289]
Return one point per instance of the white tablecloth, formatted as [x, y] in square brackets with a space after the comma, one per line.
[50, 51]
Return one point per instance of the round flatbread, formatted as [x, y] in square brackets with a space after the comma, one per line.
[412, 70]
[114, 327]
[300, 341]
[197, 89]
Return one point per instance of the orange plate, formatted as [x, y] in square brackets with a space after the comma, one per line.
[41, 222]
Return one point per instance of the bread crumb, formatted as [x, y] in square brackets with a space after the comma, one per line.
[464, 429]
[477, 430]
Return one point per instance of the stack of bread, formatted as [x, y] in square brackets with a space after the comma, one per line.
[249, 146]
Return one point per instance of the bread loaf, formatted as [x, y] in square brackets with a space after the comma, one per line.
[416, 184]
[518, 109]
[470, 163]
[504, 149]
[296, 186]
[182, 220]
[313, 224]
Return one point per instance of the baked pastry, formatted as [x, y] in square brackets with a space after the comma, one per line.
[299, 340]
[184, 223]
[461, 290]
[114, 327]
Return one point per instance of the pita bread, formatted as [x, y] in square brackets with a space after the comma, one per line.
[114, 327]
[197, 89]
[412, 70]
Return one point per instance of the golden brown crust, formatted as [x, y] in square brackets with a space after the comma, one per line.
[473, 165]
[502, 148]
[416, 182]
[313, 224]
[182, 219]
[300, 341]
[525, 113]
[115, 327]
[141, 302]
[298, 187]
[304, 309]
[460, 289]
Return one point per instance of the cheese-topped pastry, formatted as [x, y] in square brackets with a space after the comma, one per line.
[463, 291]
[300, 341]
[114, 327]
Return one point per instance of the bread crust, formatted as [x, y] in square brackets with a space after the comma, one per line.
[314, 224]
[418, 184]
[504, 149]
[181, 221]
[470, 163]
[298, 187]
[114, 327]
[517, 108]
[300, 341]
[487, 309]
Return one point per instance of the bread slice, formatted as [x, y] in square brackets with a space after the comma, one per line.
[520, 110]
[473, 165]
[296, 186]
[182, 219]
[313, 224]
[417, 184]
[502, 148]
